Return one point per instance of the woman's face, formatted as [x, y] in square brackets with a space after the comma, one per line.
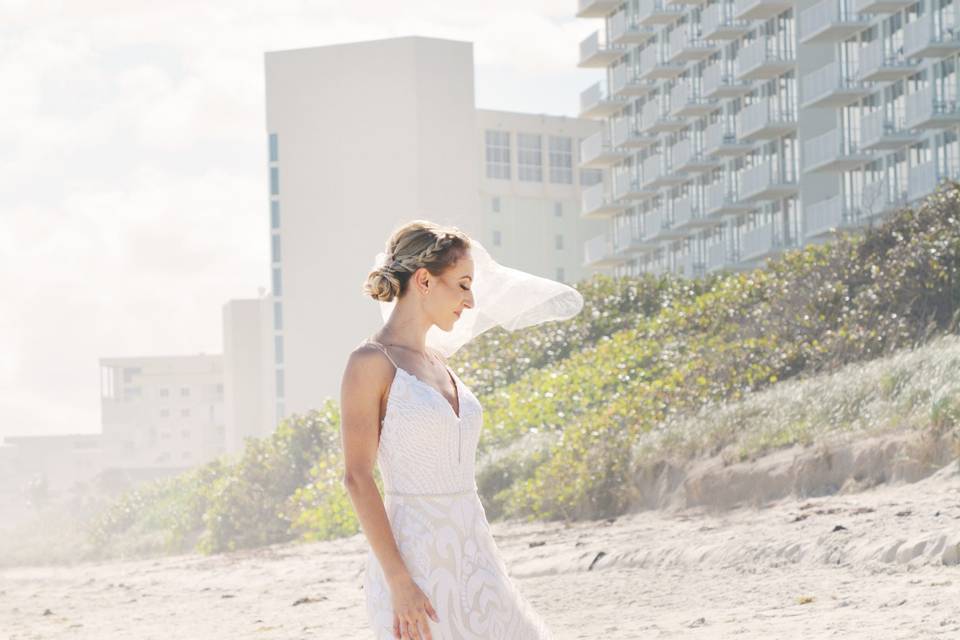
[450, 293]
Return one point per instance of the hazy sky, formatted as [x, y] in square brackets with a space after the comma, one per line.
[133, 199]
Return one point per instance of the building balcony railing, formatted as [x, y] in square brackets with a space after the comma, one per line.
[654, 64]
[625, 81]
[721, 139]
[596, 8]
[881, 196]
[686, 100]
[766, 119]
[827, 217]
[721, 83]
[631, 187]
[830, 86]
[660, 226]
[691, 266]
[766, 181]
[923, 179]
[689, 213]
[597, 203]
[719, 256]
[595, 54]
[880, 130]
[690, 158]
[831, 21]
[763, 59]
[654, 118]
[924, 38]
[926, 110]
[760, 9]
[597, 151]
[658, 172]
[653, 12]
[881, 6]
[686, 45]
[719, 24]
[595, 102]
[627, 135]
[879, 63]
[598, 253]
[833, 151]
[758, 243]
[720, 198]
[625, 29]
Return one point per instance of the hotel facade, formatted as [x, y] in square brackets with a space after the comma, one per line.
[735, 130]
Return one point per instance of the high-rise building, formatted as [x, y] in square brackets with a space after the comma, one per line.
[734, 130]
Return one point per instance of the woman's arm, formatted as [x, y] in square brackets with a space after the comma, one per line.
[364, 382]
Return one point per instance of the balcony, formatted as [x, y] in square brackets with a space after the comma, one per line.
[833, 151]
[687, 46]
[686, 101]
[689, 213]
[923, 179]
[880, 130]
[764, 59]
[625, 81]
[830, 87]
[719, 256]
[688, 159]
[760, 9]
[655, 66]
[879, 64]
[598, 55]
[758, 243]
[880, 197]
[598, 253]
[766, 181]
[597, 152]
[596, 8]
[659, 226]
[827, 217]
[626, 30]
[596, 103]
[925, 110]
[654, 118]
[627, 135]
[722, 199]
[720, 83]
[830, 21]
[924, 39]
[881, 6]
[720, 139]
[631, 187]
[657, 173]
[691, 266]
[766, 119]
[719, 24]
[653, 12]
[597, 204]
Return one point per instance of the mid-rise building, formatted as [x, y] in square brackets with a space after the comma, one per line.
[736, 129]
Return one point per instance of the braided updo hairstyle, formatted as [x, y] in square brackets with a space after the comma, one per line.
[416, 244]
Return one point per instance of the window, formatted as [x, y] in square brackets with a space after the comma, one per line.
[220, 389]
[274, 156]
[129, 372]
[184, 433]
[529, 157]
[561, 160]
[274, 214]
[277, 316]
[558, 241]
[495, 204]
[274, 181]
[498, 154]
[164, 413]
[590, 177]
[277, 289]
[164, 392]
[275, 248]
[279, 382]
[279, 411]
[560, 275]
[496, 238]
[184, 391]
[184, 413]
[278, 349]
[557, 209]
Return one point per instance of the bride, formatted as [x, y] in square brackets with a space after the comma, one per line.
[433, 571]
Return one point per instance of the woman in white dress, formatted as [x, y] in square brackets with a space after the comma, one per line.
[433, 571]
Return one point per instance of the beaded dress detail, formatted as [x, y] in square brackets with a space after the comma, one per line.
[426, 459]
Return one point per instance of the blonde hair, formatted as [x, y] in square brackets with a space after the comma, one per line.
[418, 243]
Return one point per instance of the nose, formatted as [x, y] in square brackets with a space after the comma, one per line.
[469, 302]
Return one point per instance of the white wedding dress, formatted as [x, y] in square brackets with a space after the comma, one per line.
[426, 459]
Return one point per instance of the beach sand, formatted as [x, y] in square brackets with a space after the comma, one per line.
[881, 563]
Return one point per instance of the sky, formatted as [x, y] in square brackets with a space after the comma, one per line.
[133, 196]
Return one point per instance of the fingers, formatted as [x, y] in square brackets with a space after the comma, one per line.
[432, 612]
[396, 626]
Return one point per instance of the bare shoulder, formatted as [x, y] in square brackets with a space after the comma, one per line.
[367, 366]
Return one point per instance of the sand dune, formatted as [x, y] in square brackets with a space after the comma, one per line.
[882, 563]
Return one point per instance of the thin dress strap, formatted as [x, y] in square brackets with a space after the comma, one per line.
[384, 350]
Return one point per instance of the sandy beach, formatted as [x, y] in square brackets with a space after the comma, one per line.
[882, 563]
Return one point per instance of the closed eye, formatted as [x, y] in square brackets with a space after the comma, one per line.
[465, 288]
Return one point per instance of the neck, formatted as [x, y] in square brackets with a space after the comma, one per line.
[407, 326]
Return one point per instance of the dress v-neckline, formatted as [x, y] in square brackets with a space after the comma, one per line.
[456, 385]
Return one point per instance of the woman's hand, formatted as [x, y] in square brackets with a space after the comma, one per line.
[411, 607]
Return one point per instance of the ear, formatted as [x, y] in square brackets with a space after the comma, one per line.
[422, 279]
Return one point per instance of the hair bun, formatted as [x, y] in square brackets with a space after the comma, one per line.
[382, 284]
